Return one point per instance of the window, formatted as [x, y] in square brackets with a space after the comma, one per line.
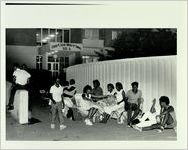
[66, 61]
[49, 66]
[67, 36]
[92, 34]
[52, 35]
[114, 35]
[59, 35]
[39, 62]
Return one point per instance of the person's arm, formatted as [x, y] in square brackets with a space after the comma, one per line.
[51, 97]
[14, 79]
[152, 109]
[124, 98]
[139, 100]
[170, 109]
[62, 97]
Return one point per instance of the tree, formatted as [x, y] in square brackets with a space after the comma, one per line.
[142, 43]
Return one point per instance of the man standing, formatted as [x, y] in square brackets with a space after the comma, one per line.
[134, 100]
[56, 92]
[20, 80]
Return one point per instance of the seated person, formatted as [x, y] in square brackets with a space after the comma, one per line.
[166, 119]
[146, 119]
[109, 100]
[118, 105]
[85, 103]
[133, 103]
[20, 82]
[97, 91]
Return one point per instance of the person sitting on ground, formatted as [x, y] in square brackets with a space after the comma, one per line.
[97, 92]
[117, 107]
[56, 95]
[86, 104]
[166, 119]
[109, 100]
[147, 118]
[20, 81]
[134, 101]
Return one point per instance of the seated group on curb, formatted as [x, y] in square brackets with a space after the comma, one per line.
[92, 106]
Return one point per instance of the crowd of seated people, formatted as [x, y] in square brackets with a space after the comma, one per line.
[94, 106]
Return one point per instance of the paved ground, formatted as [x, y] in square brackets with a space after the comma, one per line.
[77, 130]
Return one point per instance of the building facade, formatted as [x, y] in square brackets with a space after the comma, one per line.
[56, 49]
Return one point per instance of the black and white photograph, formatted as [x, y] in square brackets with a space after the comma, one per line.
[65, 83]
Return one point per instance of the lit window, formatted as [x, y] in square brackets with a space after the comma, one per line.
[114, 35]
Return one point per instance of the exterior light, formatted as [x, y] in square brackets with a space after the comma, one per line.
[52, 35]
[55, 56]
[44, 40]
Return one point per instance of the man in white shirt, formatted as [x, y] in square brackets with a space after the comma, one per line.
[134, 100]
[20, 80]
[56, 92]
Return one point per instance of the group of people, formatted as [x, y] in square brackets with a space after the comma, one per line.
[92, 103]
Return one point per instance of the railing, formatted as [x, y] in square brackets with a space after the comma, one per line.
[156, 76]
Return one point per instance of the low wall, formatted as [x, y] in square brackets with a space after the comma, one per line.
[156, 76]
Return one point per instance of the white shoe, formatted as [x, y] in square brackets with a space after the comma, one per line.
[62, 127]
[159, 130]
[52, 126]
[88, 122]
[137, 128]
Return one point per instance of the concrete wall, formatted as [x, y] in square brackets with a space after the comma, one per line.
[156, 76]
[20, 36]
[21, 55]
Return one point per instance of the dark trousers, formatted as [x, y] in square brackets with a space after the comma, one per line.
[70, 114]
[16, 87]
[130, 108]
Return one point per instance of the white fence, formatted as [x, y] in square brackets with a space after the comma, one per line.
[156, 75]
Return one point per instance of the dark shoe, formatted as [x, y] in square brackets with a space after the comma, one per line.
[10, 107]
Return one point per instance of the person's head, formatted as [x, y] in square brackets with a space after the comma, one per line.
[110, 87]
[119, 86]
[96, 83]
[164, 101]
[15, 66]
[87, 89]
[134, 86]
[24, 67]
[57, 82]
[72, 82]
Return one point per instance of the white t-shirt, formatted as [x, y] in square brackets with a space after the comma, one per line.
[56, 92]
[119, 95]
[21, 76]
[133, 97]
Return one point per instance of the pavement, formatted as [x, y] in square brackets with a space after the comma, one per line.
[78, 131]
